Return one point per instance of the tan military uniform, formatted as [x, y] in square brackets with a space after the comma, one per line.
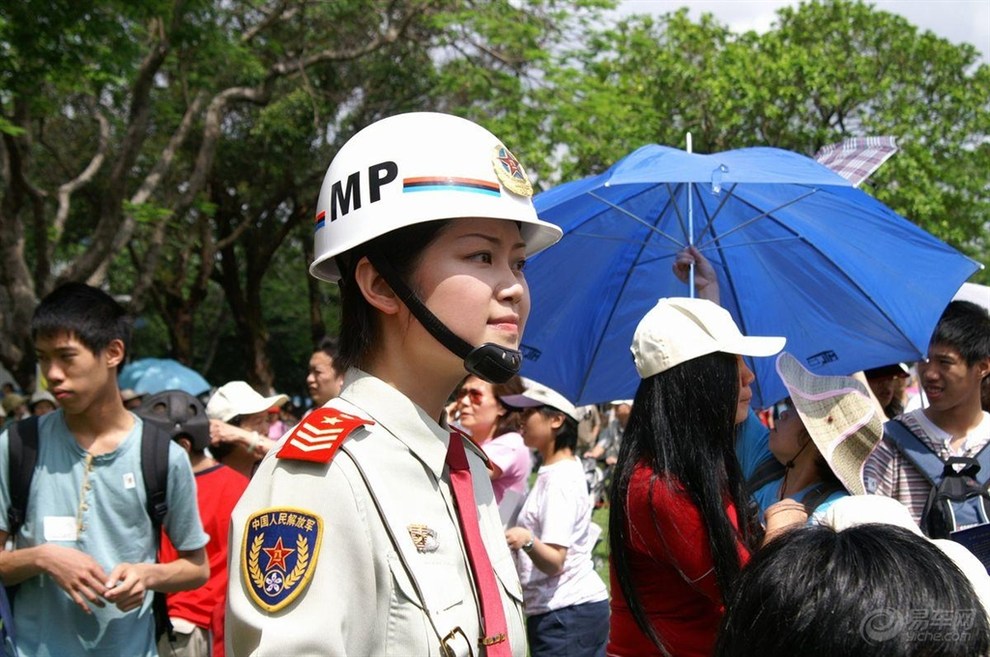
[341, 580]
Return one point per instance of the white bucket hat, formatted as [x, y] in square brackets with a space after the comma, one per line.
[680, 329]
[537, 394]
[238, 398]
[840, 417]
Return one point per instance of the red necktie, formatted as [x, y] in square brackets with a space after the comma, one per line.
[493, 617]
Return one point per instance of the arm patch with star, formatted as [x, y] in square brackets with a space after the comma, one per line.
[319, 435]
[278, 557]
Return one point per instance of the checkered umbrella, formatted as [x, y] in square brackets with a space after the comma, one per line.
[856, 158]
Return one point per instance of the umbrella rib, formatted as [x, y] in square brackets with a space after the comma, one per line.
[606, 238]
[672, 198]
[615, 306]
[710, 247]
[634, 217]
[732, 289]
[711, 219]
[757, 217]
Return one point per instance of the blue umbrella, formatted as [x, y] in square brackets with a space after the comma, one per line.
[799, 252]
[150, 375]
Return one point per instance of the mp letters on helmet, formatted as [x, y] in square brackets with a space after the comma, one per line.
[417, 167]
[346, 194]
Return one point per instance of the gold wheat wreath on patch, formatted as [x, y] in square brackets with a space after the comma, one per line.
[302, 560]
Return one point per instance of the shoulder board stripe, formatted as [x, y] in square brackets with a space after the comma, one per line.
[318, 437]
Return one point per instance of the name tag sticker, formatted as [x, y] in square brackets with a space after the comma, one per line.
[60, 528]
[129, 481]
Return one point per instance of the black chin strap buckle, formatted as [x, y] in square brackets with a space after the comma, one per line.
[493, 363]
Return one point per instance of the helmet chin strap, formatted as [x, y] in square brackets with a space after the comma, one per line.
[489, 361]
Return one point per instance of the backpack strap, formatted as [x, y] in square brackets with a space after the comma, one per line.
[924, 459]
[154, 470]
[819, 494]
[22, 450]
[983, 458]
[769, 469]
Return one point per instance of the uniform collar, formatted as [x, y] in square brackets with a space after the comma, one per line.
[398, 415]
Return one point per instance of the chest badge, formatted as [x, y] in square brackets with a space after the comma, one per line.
[424, 538]
[279, 555]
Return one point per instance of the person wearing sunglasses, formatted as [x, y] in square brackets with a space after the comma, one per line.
[494, 428]
[823, 434]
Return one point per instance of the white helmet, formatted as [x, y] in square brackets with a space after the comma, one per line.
[419, 167]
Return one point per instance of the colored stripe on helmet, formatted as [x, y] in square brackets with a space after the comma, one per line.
[450, 184]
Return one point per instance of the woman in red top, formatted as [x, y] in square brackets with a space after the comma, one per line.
[680, 529]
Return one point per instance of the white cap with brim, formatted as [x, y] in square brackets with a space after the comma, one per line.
[539, 395]
[680, 329]
[238, 398]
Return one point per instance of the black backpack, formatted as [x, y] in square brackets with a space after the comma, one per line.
[22, 452]
[960, 495]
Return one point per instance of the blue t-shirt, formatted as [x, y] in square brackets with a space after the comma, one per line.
[752, 448]
[96, 505]
[770, 493]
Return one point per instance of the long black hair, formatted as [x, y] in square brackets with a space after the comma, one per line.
[682, 427]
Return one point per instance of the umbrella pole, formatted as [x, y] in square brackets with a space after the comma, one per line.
[690, 214]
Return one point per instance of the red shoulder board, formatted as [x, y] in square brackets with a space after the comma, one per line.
[320, 434]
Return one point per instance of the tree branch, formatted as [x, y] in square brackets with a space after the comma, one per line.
[66, 190]
[115, 227]
[166, 157]
[277, 14]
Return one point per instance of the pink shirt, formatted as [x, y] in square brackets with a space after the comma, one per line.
[513, 457]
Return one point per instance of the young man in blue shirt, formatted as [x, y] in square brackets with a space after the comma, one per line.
[85, 555]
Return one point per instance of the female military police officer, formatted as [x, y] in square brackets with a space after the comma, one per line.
[359, 534]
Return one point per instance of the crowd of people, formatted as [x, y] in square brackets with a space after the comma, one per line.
[434, 502]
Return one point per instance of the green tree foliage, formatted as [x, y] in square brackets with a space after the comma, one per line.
[825, 71]
[175, 148]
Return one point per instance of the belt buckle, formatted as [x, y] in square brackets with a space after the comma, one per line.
[447, 651]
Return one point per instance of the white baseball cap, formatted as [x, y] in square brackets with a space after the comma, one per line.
[238, 398]
[680, 329]
[539, 395]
